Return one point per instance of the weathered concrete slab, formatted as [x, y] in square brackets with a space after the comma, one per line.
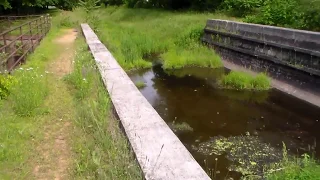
[160, 153]
[286, 36]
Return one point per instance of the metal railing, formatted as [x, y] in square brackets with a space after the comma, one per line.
[21, 40]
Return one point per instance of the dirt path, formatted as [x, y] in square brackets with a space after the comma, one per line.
[54, 153]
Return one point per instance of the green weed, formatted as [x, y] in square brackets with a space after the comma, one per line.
[242, 80]
[303, 168]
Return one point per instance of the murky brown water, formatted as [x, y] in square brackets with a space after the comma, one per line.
[191, 96]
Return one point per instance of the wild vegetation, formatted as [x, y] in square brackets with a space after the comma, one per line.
[37, 107]
[23, 112]
[300, 168]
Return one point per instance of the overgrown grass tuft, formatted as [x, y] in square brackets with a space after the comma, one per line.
[242, 80]
[102, 151]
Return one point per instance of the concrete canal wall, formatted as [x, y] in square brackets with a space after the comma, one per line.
[289, 56]
[159, 152]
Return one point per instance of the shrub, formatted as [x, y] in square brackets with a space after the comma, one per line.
[241, 7]
[310, 16]
[277, 13]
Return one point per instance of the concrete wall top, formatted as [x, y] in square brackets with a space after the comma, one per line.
[159, 152]
[292, 37]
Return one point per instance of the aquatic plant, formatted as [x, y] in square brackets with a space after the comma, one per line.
[249, 154]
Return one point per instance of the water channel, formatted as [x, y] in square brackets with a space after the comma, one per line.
[230, 132]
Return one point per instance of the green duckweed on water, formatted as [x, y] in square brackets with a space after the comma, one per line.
[249, 154]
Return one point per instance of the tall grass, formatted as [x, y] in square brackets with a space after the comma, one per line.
[305, 168]
[29, 92]
[242, 80]
[102, 151]
[133, 34]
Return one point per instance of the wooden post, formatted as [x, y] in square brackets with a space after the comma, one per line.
[4, 62]
[41, 27]
[21, 34]
[5, 43]
[37, 24]
[47, 23]
[31, 40]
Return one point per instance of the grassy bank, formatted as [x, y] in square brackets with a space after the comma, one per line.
[101, 149]
[135, 36]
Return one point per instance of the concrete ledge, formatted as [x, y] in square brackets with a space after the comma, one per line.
[159, 152]
[286, 36]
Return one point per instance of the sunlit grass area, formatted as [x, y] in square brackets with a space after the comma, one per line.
[174, 37]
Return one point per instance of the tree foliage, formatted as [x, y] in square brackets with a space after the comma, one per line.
[23, 5]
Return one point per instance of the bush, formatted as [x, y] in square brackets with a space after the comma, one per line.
[277, 13]
[288, 13]
[310, 16]
[241, 8]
